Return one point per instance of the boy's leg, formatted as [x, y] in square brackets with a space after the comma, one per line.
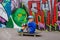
[30, 31]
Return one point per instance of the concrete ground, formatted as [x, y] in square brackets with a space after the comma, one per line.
[11, 34]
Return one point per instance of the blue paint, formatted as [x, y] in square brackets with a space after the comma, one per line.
[7, 7]
[0, 25]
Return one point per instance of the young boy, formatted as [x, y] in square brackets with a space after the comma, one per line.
[31, 24]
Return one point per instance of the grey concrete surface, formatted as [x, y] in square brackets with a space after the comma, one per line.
[11, 34]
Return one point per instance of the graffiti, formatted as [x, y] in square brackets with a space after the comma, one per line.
[3, 15]
[20, 16]
[15, 4]
[7, 6]
[1, 0]
[14, 13]
[58, 8]
[44, 6]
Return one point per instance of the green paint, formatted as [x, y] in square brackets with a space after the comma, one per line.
[9, 24]
[55, 26]
[50, 26]
[19, 16]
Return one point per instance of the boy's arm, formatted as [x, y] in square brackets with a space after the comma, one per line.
[29, 24]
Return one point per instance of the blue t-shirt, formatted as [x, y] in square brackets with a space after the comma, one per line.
[31, 27]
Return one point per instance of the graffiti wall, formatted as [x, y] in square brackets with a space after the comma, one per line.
[5, 11]
[14, 13]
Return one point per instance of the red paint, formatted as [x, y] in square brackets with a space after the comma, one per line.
[39, 11]
[30, 6]
[54, 13]
[48, 18]
[42, 16]
[44, 1]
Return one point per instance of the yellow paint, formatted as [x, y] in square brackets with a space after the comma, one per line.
[19, 15]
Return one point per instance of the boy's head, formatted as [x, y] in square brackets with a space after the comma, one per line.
[30, 18]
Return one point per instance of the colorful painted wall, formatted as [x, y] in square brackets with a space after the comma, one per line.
[14, 13]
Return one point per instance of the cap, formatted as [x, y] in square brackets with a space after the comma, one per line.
[30, 17]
